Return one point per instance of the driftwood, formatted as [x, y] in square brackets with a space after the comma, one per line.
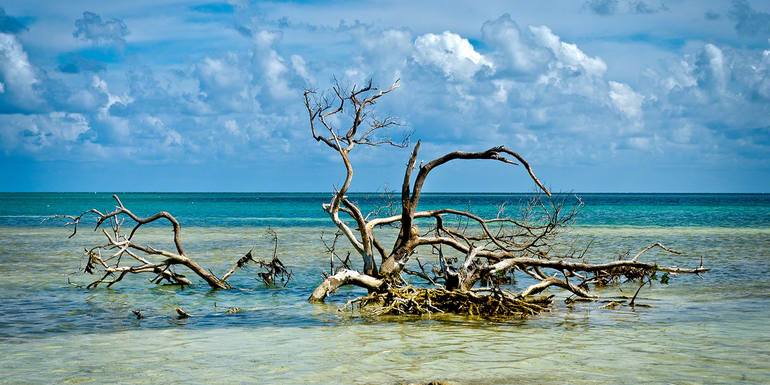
[181, 314]
[272, 270]
[476, 253]
[122, 254]
[411, 300]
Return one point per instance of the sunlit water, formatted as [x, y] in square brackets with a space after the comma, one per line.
[714, 329]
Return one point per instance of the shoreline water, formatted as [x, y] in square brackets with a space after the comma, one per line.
[699, 330]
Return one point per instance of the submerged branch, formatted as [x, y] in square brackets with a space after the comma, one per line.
[122, 254]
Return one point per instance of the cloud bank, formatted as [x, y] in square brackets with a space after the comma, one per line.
[164, 95]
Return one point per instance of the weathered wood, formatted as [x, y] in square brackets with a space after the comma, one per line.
[124, 248]
[342, 278]
[492, 247]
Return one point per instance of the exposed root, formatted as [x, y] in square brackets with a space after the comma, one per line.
[412, 300]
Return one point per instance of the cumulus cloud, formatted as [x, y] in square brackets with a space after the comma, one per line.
[568, 55]
[273, 67]
[220, 106]
[450, 53]
[516, 49]
[525, 86]
[519, 85]
[626, 100]
[715, 97]
[158, 129]
[18, 76]
[225, 85]
[385, 54]
[93, 29]
[45, 135]
[528, 88]
[533, 90]
[710, 68]
[538, 53]
[300, 67]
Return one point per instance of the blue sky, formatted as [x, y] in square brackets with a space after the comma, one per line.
[601, 95]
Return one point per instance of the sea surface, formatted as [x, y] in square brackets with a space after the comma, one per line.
[709, 329]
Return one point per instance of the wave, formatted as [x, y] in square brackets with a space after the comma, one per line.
[25, 216]
[280, 219]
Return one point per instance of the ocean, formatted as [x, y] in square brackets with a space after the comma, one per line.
[709, 329]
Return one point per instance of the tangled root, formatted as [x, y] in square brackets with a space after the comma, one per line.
[412, 300]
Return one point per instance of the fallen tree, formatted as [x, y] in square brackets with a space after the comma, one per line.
[470, 260]
[122, 254]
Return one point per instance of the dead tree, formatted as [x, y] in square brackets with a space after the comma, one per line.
[122, 254]
[488, 248]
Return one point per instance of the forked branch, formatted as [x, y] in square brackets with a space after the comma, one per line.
[122, 254]
[472, 252]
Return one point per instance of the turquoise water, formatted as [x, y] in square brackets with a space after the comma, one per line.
[303, 209]
[712, 329]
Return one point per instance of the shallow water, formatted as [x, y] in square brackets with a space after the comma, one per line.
[712, 329]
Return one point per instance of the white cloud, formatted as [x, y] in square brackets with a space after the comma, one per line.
[713, 98]
[159, 129]
[711, 67]
[17, 74]
[46, 135]
[536, 61]
[567, 54]
[101, 85]
[626, 100]
[715, 73]
[451, 53]
[521, 85]
[384, 54]
[225, 85]
[271, 68]
[299, 66]
[517, 49]
[502, 88]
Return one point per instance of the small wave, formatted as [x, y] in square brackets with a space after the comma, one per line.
[671, 229]
[277, 219]
[25, 216]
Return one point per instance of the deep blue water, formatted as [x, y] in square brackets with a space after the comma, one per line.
[304, 209]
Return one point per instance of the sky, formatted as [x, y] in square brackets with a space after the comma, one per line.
[598, 95]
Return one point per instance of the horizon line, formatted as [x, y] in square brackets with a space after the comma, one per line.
[382, 192]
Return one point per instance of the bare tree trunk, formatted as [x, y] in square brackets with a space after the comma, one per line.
[341, 278]
[492, 247]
